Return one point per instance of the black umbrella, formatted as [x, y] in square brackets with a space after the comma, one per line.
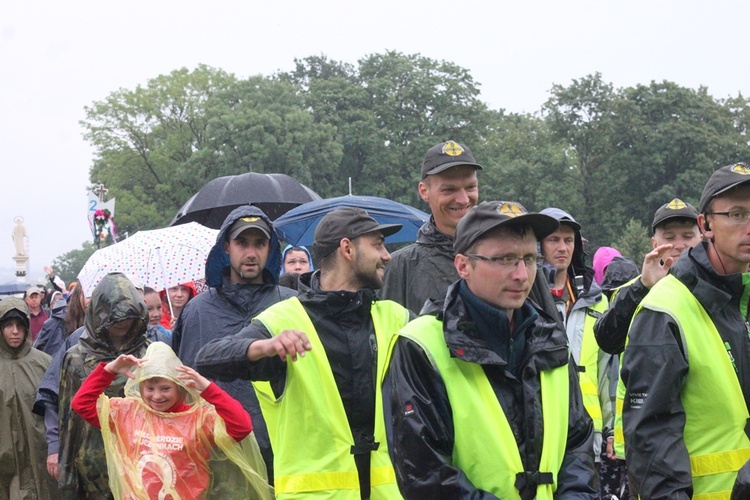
[275, 194]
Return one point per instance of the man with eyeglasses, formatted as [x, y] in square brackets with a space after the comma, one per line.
[482, 397]
[686, 367]
[580, 302]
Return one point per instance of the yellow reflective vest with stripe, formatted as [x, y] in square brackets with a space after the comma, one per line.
[715, 410]
[485, 448]
[307, 424]
[589, 364]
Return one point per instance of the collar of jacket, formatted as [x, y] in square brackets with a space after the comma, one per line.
[243, 296]
[713, 290]
[546, 345]
[429, 235]
[336, 302]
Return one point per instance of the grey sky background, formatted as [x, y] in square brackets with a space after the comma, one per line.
[57, 57]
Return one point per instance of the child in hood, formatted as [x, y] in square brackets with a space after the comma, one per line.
[173, 425]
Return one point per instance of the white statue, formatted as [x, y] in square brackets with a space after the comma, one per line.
[19, 233]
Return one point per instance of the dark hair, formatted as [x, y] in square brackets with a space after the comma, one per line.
[75, 313]
[517, 231]
[148, 289]
[289, 280]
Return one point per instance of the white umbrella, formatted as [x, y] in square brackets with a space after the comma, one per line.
[160, 258]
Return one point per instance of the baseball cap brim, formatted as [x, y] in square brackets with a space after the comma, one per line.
[446, 166]
[542, 225]
[386, 229]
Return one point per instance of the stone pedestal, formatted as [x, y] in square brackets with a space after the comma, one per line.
[21, 261]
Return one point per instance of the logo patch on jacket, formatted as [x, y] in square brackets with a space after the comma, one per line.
[409, 409]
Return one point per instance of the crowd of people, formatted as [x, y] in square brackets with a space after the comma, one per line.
[485, 360]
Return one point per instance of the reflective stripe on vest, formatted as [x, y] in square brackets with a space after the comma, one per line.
[619, 444]
[589, 360]
[307, 424]
[485, 448]
[715, 410]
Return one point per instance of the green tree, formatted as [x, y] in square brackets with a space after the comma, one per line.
[583, 116]
[143, 140]
[388, 110]
[263, 125]
[669, 140]
[524, 162]
[69, 264]
[634, 241]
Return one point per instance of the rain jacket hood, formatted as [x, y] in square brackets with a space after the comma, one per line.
[22, 446]
[577, 265]
[113, 300]
[13, 307]
[289, 247]
[200, 433]
[218, 259]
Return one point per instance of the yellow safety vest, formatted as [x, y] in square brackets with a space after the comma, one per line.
[589, 361]
[619, 444]
[485, 448]
[307, 424]
[715, 410]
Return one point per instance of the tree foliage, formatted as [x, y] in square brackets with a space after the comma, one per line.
[68, 265]
[610, 156]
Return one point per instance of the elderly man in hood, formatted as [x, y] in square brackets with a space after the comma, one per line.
[242, 271]
[22, 456]
[116, 323]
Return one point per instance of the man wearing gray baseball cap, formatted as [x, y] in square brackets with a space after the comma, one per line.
[481, 394]
[686, 367]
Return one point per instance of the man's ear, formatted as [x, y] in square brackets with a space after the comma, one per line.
[346, 248]
[462, 263]
[424, 192]
[225, 246]
[704, 227]
[653, 242]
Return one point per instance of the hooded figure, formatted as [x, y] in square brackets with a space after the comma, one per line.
[288, 248]
[82, 463]
[602, 257]
[174, 453]
[23, 452]
[226, 308]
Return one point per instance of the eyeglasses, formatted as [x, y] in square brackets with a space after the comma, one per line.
[508, 260]
[734, 216]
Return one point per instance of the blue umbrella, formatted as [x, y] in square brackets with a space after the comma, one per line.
[298, 225]
[13, 288]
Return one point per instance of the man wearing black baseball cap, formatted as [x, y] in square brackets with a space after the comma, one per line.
[675, 229]
[476, 381]
[325, 352]
[424, 270]
[686, 367]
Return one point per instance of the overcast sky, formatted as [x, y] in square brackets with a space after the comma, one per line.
[57, 57]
